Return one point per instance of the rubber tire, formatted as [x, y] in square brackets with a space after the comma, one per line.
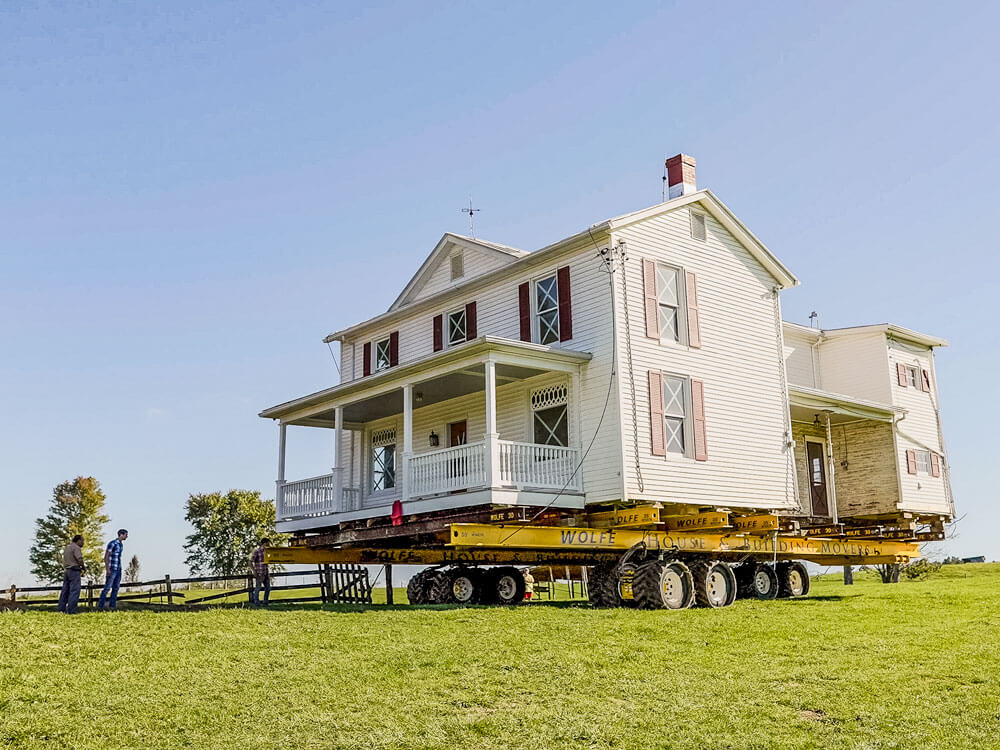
[439, 588]
[744, 579]
[416, 589]
[621, 571]
[494, 581]
[701, 571]
[474, 577]
[601, 586]
[761, 569]
[648, 585]
[785, 586]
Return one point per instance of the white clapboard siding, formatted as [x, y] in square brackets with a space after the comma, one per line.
[739, 360]
[799, 358]
[476, 262]
[855, 364]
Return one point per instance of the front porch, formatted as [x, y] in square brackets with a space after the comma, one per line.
[490, 422]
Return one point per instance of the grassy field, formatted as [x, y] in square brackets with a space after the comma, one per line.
[912, 665]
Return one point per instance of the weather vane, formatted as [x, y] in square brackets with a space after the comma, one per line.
[472, 217]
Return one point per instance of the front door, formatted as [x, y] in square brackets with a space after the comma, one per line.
[817, 479]
[456, 434]
[458, 465]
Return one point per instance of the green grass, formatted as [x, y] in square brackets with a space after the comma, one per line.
[913, 665]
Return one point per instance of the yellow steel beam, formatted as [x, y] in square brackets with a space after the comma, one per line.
[642, 515]
[756, 524]
[436, 556]
[696, 521]
[471, 535]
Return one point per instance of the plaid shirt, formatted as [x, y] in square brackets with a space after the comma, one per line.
[257, 560]
[115, 547]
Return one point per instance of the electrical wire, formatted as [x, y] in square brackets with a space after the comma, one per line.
[334, 358]
[631, 371]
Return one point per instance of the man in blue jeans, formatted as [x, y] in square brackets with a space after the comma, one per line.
[113, 570]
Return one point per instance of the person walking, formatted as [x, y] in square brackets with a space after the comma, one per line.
[73, 567]
[112, 570]
[261, 574]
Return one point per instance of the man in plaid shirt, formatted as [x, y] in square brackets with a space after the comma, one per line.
[113, 570]
[261, 576]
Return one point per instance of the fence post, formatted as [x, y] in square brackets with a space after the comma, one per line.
[13, 593]
[848, 575]
[388, 584]
[90, 595]
[323, 593]
[170, 591]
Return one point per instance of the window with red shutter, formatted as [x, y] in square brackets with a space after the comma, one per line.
[693, 320]
[565, 305]
[925, 381]
[393, 348]
[438, 332]
[698, 406]
[652, 306]
[935, 465]
[656, 423]
[901, 374]
[524, 310]
[366, 366]
[471, 330]
[911, 462]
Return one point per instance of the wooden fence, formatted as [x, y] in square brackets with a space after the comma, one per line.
[335, 584]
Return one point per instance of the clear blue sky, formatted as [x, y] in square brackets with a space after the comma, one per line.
[193, 194]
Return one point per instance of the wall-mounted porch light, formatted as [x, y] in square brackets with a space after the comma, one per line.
[433, 440]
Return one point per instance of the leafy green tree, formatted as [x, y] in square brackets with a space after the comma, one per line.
[227, 527]
[77, 508]
[131, 573]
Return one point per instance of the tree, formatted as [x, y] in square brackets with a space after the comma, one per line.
[226, 530]
[77, 508]
[131, 574]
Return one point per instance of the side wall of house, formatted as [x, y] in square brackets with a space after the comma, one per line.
[855, 365]
[799, 358]
[740, 362]
[918, 431]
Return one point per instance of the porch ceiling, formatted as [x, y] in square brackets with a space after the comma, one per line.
[806, 404]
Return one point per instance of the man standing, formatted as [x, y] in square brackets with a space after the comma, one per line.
[113, 570]
[69, 597]
[261, 575]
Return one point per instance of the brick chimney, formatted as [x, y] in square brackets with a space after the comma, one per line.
[680, 176]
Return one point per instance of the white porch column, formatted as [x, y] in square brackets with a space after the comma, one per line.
[279, 499]
[338, 468]
[831, 488]
[407, 439]
[492, 436]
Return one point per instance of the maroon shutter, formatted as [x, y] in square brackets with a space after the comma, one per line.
[698, 404]
[911, 462]
[694, 324]
[901, 373]
[565, 305]
[935, 464]
[366, 366]
[925, 381]
[471, 331]
[658, 428]
[438, 332]
[393, 348]
[524, 310]
[652, 303]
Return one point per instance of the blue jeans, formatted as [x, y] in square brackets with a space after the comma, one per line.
[69, 597]
[259, 583]
[111, 583]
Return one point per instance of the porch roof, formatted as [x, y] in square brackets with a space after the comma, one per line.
[806, 403]
[518, 359]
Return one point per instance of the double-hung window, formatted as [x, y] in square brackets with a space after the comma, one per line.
[913, 378]
[547, 309]
[457, 325]
[382, 358]
[923, 462]
[675, 413]
[668, 299]
[383, 466]
[549, 415]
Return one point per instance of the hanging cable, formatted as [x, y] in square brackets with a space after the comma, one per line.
[622, 257]
[334, 358]
[786, 414]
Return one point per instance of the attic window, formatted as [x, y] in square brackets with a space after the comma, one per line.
[457, 266]
[698, 226]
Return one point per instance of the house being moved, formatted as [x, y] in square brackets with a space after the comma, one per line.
[640, 361]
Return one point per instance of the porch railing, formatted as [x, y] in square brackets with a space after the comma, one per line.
[542, 466]
[448, 469]
[315, 496]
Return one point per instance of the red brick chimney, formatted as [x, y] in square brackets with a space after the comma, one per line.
[680, 176]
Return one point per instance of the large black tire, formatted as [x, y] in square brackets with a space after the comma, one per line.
[439, 588]
[757, 581]
[467, 585]
[602, 585]
[663, 585]
[416, 589]
[793, 580]
[505, 585]
[714, 583]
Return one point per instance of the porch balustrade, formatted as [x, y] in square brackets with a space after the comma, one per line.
[457, 468]
[539, 466]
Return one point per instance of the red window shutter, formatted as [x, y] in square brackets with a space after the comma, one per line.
[658, 428]
[565, 305]
[901, 373]
[698, 402]
[366, 366]
[471, 330]
[935, 464]
[911, 462]
[524, 310]
[438, 332]
[652, 303]
[925, 381]
[393, 348]
[694, 324]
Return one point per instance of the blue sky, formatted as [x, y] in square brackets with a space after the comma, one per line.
[194, 194]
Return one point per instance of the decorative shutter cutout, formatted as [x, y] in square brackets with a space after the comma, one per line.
[694, 324]
[649, 293]
[901, 373]
[471, 330]
[935, 464]
[524, 310]
[393, 348]
[925, 381]
[657, 427]
[911, 462]
[438, 332]
[366, 366]
[698, 403]
[565, 305]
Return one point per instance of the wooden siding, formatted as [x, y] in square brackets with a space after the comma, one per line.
[739, 361]
[855, 365]
[476, 262]
[799, 359]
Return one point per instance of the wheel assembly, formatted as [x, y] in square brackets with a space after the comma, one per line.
[417, 588]
[757, 581]
[714, 583]
[439, 588]
[505, 585]
[663, 585]
[793, 579]
[466, 585]
[602, 585]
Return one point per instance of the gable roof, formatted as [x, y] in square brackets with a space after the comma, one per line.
[441, 251]
[891, 330]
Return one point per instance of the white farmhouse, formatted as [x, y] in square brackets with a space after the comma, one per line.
[642, 360]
